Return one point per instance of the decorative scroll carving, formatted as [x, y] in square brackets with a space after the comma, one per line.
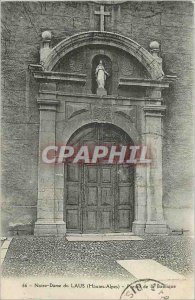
[129, 113]
[74, 109]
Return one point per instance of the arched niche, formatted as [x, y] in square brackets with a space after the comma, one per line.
[108, 67]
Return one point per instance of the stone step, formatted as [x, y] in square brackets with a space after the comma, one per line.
[102, 237]
[102, 234]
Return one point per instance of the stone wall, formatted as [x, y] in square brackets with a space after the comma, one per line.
[170, 23]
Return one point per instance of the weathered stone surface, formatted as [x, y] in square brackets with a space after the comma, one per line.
[20, 172]
[181, 217]
[11, 214]
[19, 197]
[20, 114]
[20, 132]
[172, 20]
[20, 147]
[59, 194]
[169, 23]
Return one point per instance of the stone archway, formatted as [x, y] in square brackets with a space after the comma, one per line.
[99, 197]
[91, 108]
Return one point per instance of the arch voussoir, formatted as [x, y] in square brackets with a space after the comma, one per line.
[108, 39]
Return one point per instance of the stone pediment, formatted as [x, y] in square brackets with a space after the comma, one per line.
[109, 39]
[71, 64]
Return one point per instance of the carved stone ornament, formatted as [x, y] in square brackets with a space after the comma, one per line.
[101, 113]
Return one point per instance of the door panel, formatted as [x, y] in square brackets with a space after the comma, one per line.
[92, 195]
[91, 221]
[99, 198]
[72, 217]
[92, 174]
[106, 175]
[124, 174]
[72, 195]
[72, 173]
[106, 218]
[124, 219]
[124, 195]
[91, 198]
[107, 196]
[73, 187]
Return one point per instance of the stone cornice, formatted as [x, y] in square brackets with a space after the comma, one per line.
[46, 95]
[48, 104]
[143, 82]
[46, 76]
[59, 76]
[92, 97]
[154, 110]
[47, 101]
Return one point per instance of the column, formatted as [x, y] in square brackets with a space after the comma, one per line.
[153, 125]
[46, 223]
[140, 199]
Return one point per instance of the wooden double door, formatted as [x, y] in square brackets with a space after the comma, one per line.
[100, 197]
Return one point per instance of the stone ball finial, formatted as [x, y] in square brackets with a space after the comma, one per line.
[154, 46]
[46, 35]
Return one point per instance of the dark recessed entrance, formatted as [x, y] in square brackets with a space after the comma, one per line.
[99, 198]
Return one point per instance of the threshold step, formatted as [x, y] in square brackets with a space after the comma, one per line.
[102, 237]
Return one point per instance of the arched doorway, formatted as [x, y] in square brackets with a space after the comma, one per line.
[99, 198]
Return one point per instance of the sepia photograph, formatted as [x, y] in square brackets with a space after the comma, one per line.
[97, 149]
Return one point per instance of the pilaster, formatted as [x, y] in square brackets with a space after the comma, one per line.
[153, 125]
[46, 223]
[140, 200]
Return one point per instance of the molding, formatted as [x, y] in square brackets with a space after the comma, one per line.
[40, 74]
[47, 228]
[94, 96]
[104, 38]
[143, 82]
[158, 115]
[154, 108]
[35, 68]
[59, 76]
[48, 101]
[156, 227]
[48, 104]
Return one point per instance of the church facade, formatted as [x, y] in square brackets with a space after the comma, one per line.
[84, 73]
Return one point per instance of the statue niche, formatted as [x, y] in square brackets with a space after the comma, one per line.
[101, 75]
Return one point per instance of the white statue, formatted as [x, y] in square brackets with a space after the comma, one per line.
[101, 75]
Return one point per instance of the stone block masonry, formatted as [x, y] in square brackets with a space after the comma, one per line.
[170, 23]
